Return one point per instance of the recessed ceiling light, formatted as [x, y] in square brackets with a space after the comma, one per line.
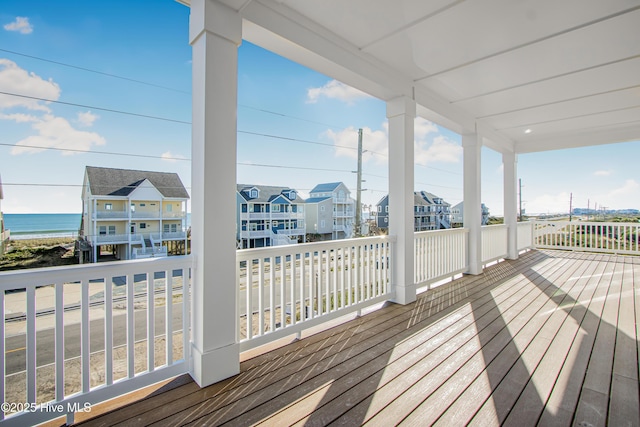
[528, 131]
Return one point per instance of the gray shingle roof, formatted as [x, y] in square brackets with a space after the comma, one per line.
[266, 193]
[121, 182]
[322, 188]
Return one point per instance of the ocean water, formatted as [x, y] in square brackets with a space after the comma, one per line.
[30, 226]
[33, 226]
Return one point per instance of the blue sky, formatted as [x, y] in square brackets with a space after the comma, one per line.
[120, 72]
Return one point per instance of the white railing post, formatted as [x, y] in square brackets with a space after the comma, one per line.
[510, 164]
[472, 148]
[215, 32]
[401, 113]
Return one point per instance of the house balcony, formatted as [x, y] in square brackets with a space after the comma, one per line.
[110, 214]
[271, 216]
[470, 348]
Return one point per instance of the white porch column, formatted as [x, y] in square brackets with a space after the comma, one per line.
[401, 113]
[472, 146]
[510, 163]
[215, 33]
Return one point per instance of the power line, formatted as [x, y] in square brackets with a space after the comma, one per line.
[96, 108]
[95, 71]
[94, 152]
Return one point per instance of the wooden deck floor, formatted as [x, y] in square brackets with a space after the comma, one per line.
[548, 339]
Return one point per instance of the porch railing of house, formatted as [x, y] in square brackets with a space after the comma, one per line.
[282, 290]
[612, 237]
[104, 300]
[439, 254]
[494, 242]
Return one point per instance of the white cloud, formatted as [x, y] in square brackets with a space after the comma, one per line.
[630, 188]
[440, 150]
[374, 143]
[170, 157]
[430, 146]
[14, 79]
[21, 25]
[335, 90]
[602, 173]
[57, 132]
[19, 117]
[87, 118]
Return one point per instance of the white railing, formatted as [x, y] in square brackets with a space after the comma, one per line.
[612, 237]
[494, 242]
[174, 235]
[153, 251]
[145, 214]
[112, 238]
[75, 336]
[283, 290]
[173, 215]
[111, 214]
[525, 235]
[439, 254]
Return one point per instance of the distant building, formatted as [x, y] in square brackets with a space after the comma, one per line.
[268, 216]
[430, 212]
[457, 214]
[131, 213]
[4, 235]
[330, 211]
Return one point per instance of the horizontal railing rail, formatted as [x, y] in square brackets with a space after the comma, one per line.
[130, 329]
[611, 237]
[439, 254]
[494, 242]
[283, 290]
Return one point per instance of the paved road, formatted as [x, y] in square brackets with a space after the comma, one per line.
[45, 339]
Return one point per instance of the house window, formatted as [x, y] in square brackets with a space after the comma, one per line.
[274, 224]
[103, 230]
[169, 208]
[112, 229]
[165, 228]
[379, 208]
[143, 204]
[133, 207]
[386, 208]
[174, 228]
[143, 225]
[254, 193]
[133, 228]
[276, 208]
[108, 206]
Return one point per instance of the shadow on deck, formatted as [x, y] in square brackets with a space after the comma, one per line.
[548, 339]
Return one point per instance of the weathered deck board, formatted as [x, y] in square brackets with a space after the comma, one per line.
[538, 340]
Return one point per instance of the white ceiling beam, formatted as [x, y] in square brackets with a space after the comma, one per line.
[606, 135]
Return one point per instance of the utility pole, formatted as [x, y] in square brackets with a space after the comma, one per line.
[359, 186]
[570, 206]
[520, 197]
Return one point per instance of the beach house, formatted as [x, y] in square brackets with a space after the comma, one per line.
[268, 216]
[457, 214]
[132, 214]
[430, 212]
[330, 212]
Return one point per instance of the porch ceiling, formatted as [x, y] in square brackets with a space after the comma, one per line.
[569, 71]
